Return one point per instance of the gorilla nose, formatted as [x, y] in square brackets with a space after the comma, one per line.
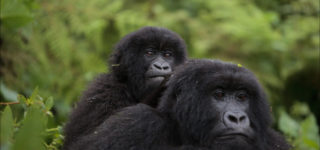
[162, 67]
[236, 119]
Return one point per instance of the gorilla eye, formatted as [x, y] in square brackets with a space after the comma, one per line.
[219, 94]
[149, 53]
[167, 54]
[242, 97]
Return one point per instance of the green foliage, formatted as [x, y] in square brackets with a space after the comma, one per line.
[60, 46]
[7, 93]
[15, 13]
[288, 125]
[31, 131]
[6, 128]
[303, 131]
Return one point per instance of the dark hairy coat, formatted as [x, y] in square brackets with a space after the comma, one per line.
[185, 119]
[124, 85]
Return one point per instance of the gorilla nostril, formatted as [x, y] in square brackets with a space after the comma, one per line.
[233, 119]
[236, 119]
[242, 118]
[165, 67]
[157, 66]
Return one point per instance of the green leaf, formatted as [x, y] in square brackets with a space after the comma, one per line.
[23, 100]
[34, 94]
[7, 128]
[29, 136]
[49, 103]
[288, 125]
[34, 97]
[8, 94]
[310, 132]
[14, 13]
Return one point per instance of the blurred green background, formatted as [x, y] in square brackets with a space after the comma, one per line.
[53, 49]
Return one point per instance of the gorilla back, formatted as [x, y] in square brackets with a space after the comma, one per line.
[142, 60]
[207, 105]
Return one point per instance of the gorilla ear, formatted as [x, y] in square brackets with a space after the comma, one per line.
[116, 66]
[115, 58]
[119, 49]
[262, 108]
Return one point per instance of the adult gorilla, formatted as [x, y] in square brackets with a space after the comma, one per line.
[140, 63]
[207, 105]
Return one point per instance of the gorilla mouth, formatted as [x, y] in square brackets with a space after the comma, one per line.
[231, 136]
[156, 77]
[156, 80]
[159, 77]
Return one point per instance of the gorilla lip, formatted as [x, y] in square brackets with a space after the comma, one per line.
[160, 76]
[232, 135]
[157, 77]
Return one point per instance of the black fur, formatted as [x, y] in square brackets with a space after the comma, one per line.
[186, 118]
[124, 86]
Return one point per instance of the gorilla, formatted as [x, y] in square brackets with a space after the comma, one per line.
[207, 105]
[141, 63]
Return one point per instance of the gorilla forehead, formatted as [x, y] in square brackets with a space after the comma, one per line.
[159, 37]
[155, 36]
[209, 74]
[134, 43]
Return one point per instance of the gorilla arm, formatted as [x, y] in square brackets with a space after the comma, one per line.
[137, 127]
[152, 99]
[97, 103]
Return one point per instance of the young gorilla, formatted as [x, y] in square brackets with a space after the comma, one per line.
[207, 105]
[140, 64]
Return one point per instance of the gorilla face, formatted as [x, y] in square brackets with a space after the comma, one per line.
[218, 105]
[232, 108]
[230, 100]
[146, 57]
[161, 55]
[161, 65]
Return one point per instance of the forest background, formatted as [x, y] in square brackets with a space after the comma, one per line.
[51, 50]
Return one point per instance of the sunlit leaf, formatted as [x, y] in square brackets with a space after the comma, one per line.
[288, 125]
[309, 131]
[23, 100]
[7, 93]
[14, 13]
[34, 94]
[6, 132]
[29, 136]
[49, 103]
